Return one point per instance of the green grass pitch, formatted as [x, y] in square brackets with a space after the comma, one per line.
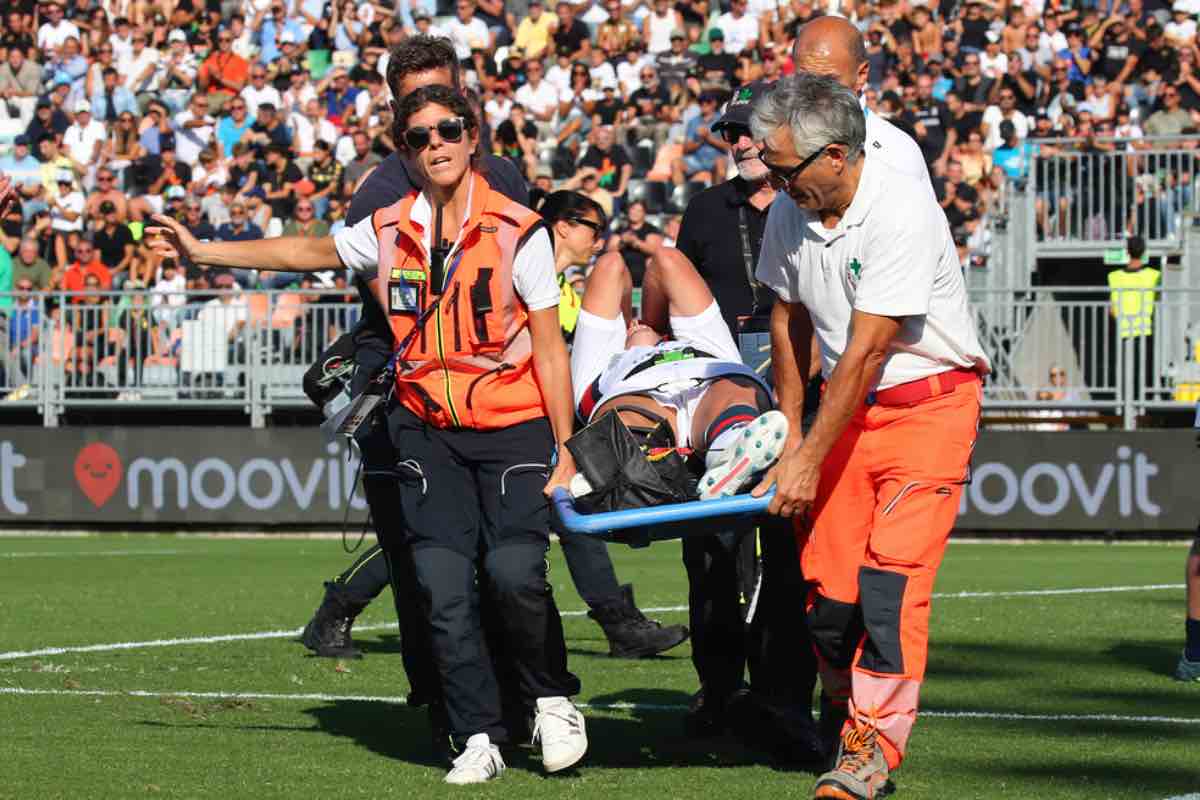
[1030, 695]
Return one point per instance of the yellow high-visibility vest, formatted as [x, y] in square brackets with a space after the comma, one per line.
[569, 304]
[1134, 309]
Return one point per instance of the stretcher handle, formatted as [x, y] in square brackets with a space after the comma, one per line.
[608, 521]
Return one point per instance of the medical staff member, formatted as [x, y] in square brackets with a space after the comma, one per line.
[861, 253]
[483, 399]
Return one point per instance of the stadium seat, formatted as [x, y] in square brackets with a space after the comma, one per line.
[652, 193]
[682, 195]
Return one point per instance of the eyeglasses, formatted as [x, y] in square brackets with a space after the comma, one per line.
[782, 176]
[24, 287]
[103, 178]
[448, 130]
[237, 108]
[595, 227]
[304, 208]
[732, 133]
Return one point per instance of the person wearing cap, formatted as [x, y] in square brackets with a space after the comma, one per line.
[20, 82]
[338, 95]
[718, 66]
[22, 168]
[873, 504]
[677, 63]
[992, 62]
[82, 141]
[177, 71]
[113, 241]
[534, 34]
[273, 27]
[1181, 30]
[703, 150]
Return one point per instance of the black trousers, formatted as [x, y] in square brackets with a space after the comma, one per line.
[478, 527]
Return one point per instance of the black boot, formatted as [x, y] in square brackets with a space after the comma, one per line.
[328, 633]
[706, 715]
[785, 731]
[629, 633]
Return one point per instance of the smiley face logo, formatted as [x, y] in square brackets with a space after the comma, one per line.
[98, 471]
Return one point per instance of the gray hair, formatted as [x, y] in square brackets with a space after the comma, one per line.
[817, 109]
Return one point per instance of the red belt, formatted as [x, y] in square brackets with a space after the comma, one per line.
[906, 394]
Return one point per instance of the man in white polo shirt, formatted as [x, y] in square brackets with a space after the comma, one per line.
[860, 252]
[833, 47]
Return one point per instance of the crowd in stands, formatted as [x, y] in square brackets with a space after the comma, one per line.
[257, 118]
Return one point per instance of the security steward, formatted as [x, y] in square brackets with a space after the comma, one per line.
[1134, 289]
[744, 571]
[480, 402]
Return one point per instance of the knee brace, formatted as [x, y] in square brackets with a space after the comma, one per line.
[881, 594]
[836, 628]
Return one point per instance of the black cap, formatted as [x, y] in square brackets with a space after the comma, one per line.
[1007, 129]
[737, 110]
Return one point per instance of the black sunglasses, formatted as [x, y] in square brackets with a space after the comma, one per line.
[732, 133]
[782, 176]
[448, 130]
[596, 227]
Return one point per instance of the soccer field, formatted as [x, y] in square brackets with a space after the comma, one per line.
[168, 666]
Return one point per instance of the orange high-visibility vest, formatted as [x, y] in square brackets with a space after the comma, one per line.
[470, 364]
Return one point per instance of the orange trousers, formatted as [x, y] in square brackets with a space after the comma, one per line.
[887, 500]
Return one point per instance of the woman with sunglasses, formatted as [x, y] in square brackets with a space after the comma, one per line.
[481, 397]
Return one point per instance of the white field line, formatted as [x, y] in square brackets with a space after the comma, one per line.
[294, 632]
[653, 707]
[95, 553]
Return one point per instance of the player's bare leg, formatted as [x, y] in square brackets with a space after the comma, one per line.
[672, 288]
[609, 291]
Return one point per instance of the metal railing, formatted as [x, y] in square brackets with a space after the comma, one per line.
[248, 350]
[1089, 194]
[217, 349]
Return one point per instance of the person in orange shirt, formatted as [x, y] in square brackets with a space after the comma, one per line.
[223, 74]
[87, 263]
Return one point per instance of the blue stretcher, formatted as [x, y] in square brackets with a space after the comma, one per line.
[638, 527]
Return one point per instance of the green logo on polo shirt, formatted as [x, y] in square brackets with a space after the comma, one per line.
[854, 267]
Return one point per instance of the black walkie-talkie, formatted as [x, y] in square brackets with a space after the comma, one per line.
[437, 257]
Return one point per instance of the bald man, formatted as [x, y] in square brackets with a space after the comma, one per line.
[832, 46]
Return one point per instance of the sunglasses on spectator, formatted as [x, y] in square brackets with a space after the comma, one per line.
[304, 208]
[24, 287]
[104, 178]
[732, 133]
[448, 130]
[595, 227]
[237, 108]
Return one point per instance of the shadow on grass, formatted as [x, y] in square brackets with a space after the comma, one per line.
[1114, 779]
[1153, 656]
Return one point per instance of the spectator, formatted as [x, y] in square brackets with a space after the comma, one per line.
[1181, 30]
[1013, 155]
[239, 228]
[23, 169]
[1117, 49]
[516, 140]
[269, 130]
[571, 35]
[223, 76]
[740, 29]
[325, 173]
[110, 99]
[337, 95]
[703, 151]
[140, 68]
[55, 31]
[113, 243]
[364, 159]
[258, 91]
[1006, 110]
[163, 173]
[274, 29]
[20, 81]
[47, 121]
[312, 127]
[167, 298]
[298, 93]
[930, 120]
[24, 327]
[280, 181]
[234, 128]
[677, 63]
[957, 198]
[29, 266]
[194, 129]
[86, 266]
[586, 181]
[1171, 119]
[612, 165]
[651, 105]
[535, 32]
[636, 240]
[106, 191]
[132, 340]
[66, 204]
[973, 88]
[177, 71]
[718, 65]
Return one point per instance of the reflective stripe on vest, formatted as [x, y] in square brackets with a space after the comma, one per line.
[470, 365]
[1135, 309]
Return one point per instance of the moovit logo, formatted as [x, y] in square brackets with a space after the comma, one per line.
[259, 483]
[98, 472]
[1047, 488]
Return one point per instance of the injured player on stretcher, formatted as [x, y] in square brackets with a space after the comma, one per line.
[677, 363]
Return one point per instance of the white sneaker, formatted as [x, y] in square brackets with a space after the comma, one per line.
[754, 450]
[479, 762]
[560, 729]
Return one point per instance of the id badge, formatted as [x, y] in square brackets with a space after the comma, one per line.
[403, 298]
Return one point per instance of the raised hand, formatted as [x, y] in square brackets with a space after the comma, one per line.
[171, 239]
